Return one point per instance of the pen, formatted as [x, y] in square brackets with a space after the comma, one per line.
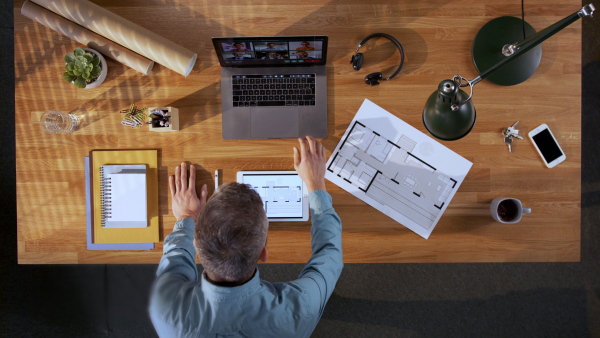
[216, 180]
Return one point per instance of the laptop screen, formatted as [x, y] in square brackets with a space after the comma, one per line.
[271, 51]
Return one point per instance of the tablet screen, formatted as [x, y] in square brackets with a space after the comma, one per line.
[282, 193]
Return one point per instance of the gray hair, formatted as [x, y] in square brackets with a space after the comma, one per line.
[231, 232]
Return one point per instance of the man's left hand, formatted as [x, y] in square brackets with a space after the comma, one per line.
[185, 202]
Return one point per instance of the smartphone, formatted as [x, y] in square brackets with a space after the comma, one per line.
[547, 146]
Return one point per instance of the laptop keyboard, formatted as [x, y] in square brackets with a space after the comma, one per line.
[273, 90]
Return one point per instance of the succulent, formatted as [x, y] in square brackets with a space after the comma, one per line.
[81, 68]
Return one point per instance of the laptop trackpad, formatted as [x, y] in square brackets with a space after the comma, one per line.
[274, 122]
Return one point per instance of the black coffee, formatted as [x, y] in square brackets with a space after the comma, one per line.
[508, 210]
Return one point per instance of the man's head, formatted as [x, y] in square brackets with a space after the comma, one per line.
[239, 54]
[231, 233]
[271, 45]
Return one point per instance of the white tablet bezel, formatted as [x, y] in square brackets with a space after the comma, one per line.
[271, 173]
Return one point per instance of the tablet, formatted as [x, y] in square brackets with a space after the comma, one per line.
[284, 195]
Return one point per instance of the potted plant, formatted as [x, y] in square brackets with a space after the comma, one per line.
[163, 119]
[85, 68]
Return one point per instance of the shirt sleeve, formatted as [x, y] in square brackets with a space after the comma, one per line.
[177, 266]
[323, 270]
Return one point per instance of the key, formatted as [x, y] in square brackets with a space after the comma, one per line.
[508, 141]
[511, 129]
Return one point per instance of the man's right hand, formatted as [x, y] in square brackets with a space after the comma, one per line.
[185, 201]
[309, 162]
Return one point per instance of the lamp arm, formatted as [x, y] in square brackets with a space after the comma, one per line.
[515, 50]
[544, 34]
[519, 48]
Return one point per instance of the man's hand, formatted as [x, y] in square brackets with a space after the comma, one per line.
[185, 202]
[309, 162]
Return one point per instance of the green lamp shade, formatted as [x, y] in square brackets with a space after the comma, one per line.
[439, 118]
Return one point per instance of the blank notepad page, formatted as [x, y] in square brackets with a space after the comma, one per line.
[125, 200]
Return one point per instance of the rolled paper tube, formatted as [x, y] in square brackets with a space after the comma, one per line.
[87, 37]
[124, 32]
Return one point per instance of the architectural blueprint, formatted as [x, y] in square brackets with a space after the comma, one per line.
[396, 169]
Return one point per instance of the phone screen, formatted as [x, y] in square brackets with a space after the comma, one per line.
[547, 145]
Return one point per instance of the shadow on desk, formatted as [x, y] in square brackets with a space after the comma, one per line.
[198, 106]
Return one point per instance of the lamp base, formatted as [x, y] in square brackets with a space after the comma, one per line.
[487, 51]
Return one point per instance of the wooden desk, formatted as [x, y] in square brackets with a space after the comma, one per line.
[436, 36]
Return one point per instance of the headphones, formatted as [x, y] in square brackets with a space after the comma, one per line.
[358, 58]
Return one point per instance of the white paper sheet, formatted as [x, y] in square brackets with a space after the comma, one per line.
[396, 169]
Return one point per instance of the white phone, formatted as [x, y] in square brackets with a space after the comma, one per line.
[545, 143]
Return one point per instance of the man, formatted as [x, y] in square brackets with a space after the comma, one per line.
[230, 235]
[239, 56]
[302, 55]
[272, 56]
[239, 47]
[271, 46]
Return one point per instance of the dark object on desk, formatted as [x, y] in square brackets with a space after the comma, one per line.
[159, 118]
[358, 59]
[507, 210]
[284, 97]
[490, 42]
[448, 115]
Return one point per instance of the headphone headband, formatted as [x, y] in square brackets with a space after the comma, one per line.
[391, 38]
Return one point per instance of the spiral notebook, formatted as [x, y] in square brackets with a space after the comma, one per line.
[147, 157]
[123, 196]
[89, 221]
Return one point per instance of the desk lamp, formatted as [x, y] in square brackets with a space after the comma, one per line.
[449, 113]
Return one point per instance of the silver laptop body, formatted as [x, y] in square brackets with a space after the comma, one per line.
[273, 87]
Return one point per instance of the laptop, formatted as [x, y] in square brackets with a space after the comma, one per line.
[273, 87]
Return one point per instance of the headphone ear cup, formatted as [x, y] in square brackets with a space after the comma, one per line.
[357, 61]
[373, 79]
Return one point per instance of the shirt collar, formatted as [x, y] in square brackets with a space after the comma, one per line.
[251, 286]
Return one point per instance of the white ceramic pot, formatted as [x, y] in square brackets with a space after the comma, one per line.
[103, 73]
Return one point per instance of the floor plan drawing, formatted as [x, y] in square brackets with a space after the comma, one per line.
[387, 171]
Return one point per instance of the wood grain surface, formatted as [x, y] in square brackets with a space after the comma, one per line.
[437, 37]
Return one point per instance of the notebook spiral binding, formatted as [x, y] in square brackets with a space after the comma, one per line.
[105, 197]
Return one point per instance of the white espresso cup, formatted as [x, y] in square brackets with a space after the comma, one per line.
[507, 210]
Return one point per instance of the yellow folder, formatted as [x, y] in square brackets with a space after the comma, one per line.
[125, 235]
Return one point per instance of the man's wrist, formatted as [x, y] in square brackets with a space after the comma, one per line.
[316, 186]
[180, 217]
[185, 223]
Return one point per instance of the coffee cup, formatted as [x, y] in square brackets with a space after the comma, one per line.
[507, 210]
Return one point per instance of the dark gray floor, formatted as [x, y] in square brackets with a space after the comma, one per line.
[371, 300]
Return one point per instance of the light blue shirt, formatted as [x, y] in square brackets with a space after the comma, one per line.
[184, 304]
